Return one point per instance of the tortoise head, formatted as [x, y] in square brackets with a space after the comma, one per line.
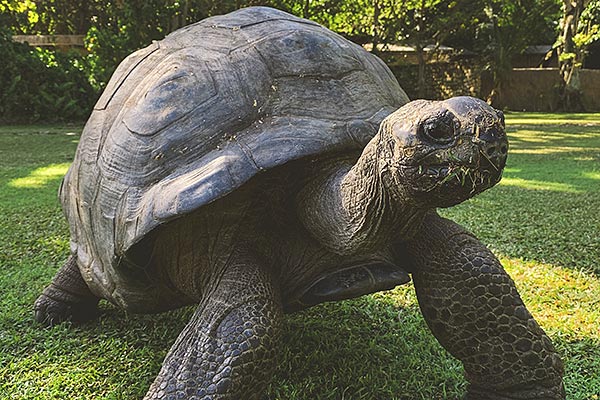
[441, 153]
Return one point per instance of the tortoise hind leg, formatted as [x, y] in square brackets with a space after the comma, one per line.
[227, 350]
[67, 298]
[472, 307]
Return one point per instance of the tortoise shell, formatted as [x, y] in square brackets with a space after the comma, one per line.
[190, 118]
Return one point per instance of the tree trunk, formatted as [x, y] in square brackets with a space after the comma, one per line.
[420, 49]
[569, 56]
[306, 10]
[180, 16]
[375, 27]
[421, 89]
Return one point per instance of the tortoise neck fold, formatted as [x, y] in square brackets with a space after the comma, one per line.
[377, 211]
[352, 210]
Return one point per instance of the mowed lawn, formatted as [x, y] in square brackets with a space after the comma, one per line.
[543, 221]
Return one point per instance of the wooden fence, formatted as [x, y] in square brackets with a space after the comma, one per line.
[60, 42]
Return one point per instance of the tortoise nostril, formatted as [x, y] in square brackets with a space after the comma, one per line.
[495, 149]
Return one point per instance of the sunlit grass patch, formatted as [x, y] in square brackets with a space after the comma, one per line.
[539, 118]
[562, 300]
[553, 141]
[71, 129]
[41, 176]
[552, 150]
[539, 185]
[591, 175]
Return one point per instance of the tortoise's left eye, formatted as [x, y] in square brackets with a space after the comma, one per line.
[439, 128]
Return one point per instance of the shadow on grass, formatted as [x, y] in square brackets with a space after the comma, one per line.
[556, 227]
[367, 348]
[539, 172]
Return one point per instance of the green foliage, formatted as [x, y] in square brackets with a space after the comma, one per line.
[542, 220]
[351, 18]
[506, 28]
[15, 13]
[442, 80]
[589, 26]
[106, 50]
[119, 30]
[50, 16]
[579, 28]
[39, 84]
[496, 29]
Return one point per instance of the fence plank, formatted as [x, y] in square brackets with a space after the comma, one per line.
[50, 40]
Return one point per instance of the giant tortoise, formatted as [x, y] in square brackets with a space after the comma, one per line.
[256, 164]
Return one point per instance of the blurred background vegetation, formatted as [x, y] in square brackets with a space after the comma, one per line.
[52, 84]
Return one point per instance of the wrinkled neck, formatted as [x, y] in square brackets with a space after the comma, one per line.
[364, 197]
[377, 213]
[352, 209]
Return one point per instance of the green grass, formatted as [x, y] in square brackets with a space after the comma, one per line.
[543, 220]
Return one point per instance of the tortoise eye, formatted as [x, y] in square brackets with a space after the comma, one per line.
[440, 128]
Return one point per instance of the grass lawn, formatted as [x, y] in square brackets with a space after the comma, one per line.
[543, 221]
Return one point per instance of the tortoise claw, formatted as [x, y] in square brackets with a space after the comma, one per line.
[50, 311]
[67, 298]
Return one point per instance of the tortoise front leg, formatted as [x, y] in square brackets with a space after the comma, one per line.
[472, 307]
[227, 350]
[67, 298]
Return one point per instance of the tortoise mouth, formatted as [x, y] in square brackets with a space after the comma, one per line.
[443, 176]
[448, 184]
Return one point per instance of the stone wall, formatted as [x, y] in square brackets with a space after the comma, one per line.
[528, 89]
[590, 85]
[536, 89]
[443, 79]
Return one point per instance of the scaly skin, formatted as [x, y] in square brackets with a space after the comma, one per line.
[67, 298]
[472, 307]
[227, 350]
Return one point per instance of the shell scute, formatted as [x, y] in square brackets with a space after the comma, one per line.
[122, 72]
[250, 16]
[308, 53]
[181, 85]
[218, 172]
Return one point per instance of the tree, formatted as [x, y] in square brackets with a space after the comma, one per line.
[505, 30]
[579, 28]
[430, 23]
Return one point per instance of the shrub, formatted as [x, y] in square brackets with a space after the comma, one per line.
[42, 85]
